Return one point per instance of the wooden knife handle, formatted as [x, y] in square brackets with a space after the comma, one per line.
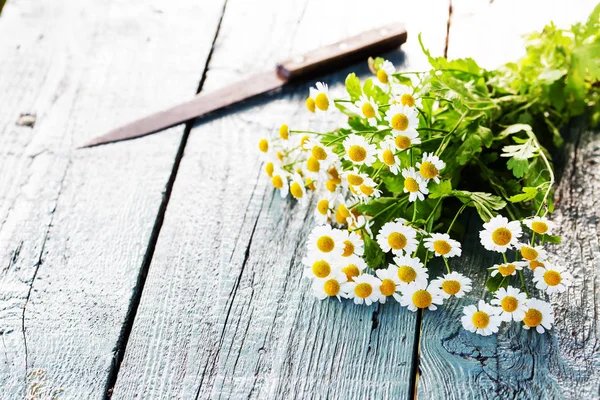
[343, 53]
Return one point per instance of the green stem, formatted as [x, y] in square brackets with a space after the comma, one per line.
[456, 216]
[523, 285]
[504, 257]
[446, 262]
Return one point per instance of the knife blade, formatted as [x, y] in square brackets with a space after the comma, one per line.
[316, 62]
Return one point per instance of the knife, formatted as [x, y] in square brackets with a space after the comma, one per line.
[299, 68]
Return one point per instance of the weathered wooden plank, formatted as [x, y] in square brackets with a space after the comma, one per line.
[515, 363]
[225, 311]
[75, 224]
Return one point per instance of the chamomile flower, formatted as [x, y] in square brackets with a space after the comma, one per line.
[390, 284]
[404, 95]
[384, 75]
[430, 167]
[532, 253]
[318, 265]
[512, 303]
[332, 286]
[324, 209]
[404, 139]
[398, 238]
[279, 180]
[541, 225]
[507, 269]
[359, 151]
[367, 190]
[354, 178]
[442, 246]
[452, 284]
[482, 319]
[352, 266]
[342, 214]
[420, 296]
[364, 289]
[552, 278]
[284, 132]
[499, 234]
[320, 152]
[533, 264]
[414, 184]
[368, 109]
[353, 244]
[409, 270]
[387, 156]
[358, 221]
[297, 190]
[539, 316]
[263, 145]
[402, 118]
[320, 94]
[326, 240]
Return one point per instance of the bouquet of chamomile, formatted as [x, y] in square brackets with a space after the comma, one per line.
[391, 185]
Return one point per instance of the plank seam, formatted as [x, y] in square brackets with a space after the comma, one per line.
[141, 281]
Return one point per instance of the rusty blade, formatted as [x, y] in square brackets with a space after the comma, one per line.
[199, 105]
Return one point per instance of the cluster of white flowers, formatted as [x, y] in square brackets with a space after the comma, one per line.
[510, 303]
[382, 154]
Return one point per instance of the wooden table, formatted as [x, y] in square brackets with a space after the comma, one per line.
[166, 267]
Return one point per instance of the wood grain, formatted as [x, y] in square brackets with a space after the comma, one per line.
[456, 364]
[225, 312]
[75, 225]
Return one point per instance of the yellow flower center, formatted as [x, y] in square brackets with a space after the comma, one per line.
[451, 286]
[351, 272]
[296, 190]
[263, 145]
[382, 76]
[368, 110]
[321, 268]
[280, 156]
[388, 157]
[480, 319]
[552, 278]
[363, 290]
[341, 214]
[388, 287]
[402, 142]
[322, 102]
[310, 104]
[532, 318]
[312, 164]
[367, 190]
[355, 180]
[319, 153]
[331, 185]
[407, 274]
[348, 248]
[331, 287]
[539, 227]
[422, 298]
[407, 100]
[533, 264]
[428, 170]
[509, 303]
[502, 236]
[269, 168]
[400, 122]
[442, 247]
[397, 241]
[277, 181]
[529, 253]
[411, 185]
[284, 132]
[310, 183]
[303, 142]
[357, 153]
[325, 244]
[323, 206]
[507, 269]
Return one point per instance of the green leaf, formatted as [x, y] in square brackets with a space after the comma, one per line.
[518, 166]
[551, 239]
[353, 87]
[436, 190]
[373, 254]
[494, 283]
[374, 91]
[394, 183]
[377, 206]
[468, 149]
[528, 194]
[484, 203]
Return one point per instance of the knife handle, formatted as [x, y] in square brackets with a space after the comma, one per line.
[343, 53]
